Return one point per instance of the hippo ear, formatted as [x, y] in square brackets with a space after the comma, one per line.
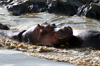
[39, 26]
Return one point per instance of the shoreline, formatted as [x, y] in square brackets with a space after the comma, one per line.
[17, 58]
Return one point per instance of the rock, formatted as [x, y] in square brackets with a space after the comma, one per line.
[5, 2]
[90, 10]
[82, 2]
[58, 7]
[4, 27]
[63, 8]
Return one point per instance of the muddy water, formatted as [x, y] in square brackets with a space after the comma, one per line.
[29, 20]
[74, 56]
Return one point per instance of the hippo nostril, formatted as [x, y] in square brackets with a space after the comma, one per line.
[54, 26]
[69, 27]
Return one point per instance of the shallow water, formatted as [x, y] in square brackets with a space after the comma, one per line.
[26, 21]
[29, 20]
[17, 58]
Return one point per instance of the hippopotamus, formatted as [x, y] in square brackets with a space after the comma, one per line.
[50, 35]
[44, 34]
[4, 27]
[85, 38]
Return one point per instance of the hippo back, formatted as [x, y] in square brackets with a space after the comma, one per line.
[27, 34]
[90, 38]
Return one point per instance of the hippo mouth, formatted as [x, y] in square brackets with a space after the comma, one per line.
[65, 33]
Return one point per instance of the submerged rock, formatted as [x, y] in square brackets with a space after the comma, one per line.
[4, 27]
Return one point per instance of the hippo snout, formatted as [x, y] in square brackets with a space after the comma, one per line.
[65, 33]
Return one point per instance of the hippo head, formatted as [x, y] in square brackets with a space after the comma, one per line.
[50, 35]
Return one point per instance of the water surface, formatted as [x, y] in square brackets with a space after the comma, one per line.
[29, 20]
[23, 22]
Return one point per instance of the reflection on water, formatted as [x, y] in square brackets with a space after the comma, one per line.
[8, 52]
[29, 20]
[3, 11]
[19, 59]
